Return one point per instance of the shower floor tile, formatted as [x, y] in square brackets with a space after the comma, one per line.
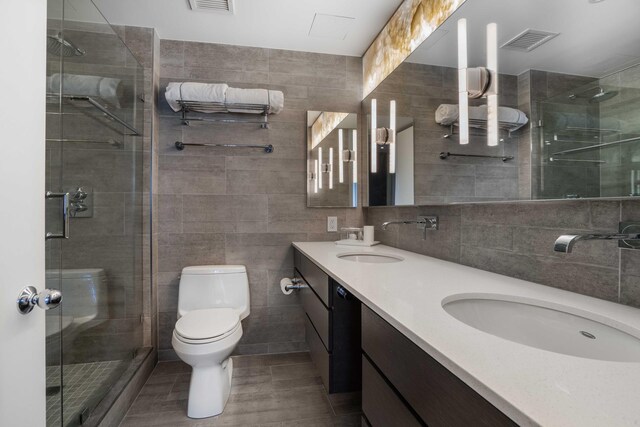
[274, 390]
[84, 385]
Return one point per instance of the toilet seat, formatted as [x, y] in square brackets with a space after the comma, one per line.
[207, 326]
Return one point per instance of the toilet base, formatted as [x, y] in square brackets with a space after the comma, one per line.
[209, 389]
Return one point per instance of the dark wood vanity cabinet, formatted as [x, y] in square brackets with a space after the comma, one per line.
[332, 327]
[403, 383]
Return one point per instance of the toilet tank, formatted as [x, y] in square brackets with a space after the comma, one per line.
[84, 292]
[214, 286]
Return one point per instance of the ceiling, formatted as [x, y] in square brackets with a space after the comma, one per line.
[596, 38]
[280, 24]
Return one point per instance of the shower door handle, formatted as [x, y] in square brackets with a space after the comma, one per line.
[65, 215]
[46, 300]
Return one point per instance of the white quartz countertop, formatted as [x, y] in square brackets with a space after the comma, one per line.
[531, 386]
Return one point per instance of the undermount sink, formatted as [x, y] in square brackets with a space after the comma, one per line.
[530, 323]
[371, 258]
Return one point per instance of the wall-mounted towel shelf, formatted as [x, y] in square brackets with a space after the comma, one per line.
[596, 146]
[446, 155]
[181, 145]
[104, 110]
[187, 107]
[482, 124]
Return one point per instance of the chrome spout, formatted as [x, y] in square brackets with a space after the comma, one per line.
[566, 242]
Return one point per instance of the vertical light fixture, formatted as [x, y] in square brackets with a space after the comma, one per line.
[330, 168]
[340, 154]
[492, 92]
[374, 127]
[321, 171]
[392, 144]
[463, 97]
[355, 156]
[317, 168]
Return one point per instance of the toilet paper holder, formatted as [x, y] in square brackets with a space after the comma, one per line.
[296, 283]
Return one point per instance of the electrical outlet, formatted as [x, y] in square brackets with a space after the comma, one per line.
[332, 223]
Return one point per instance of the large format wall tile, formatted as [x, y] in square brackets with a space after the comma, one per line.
[242, 206]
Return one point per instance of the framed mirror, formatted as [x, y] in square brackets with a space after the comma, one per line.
[332, 166]
[568, 108]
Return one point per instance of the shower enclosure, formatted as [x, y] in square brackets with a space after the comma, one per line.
[589, 139]
[95, 212]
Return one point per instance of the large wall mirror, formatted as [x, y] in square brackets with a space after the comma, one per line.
[332, 167]
[568, 116]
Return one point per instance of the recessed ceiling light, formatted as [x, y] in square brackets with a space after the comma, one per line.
[331, 26]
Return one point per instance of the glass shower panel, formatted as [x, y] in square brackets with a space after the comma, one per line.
[99, 163]
[590, 139]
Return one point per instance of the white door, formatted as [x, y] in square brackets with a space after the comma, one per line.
[22, 171]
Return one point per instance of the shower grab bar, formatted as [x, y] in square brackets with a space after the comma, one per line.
[446, 155]
[181, 145]
[101, 108]
[551, 159]
[593, 147]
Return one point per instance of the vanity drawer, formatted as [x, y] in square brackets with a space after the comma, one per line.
[380, 404]
[318, 314]
[321, 358]
[314, 276]
[435, 394]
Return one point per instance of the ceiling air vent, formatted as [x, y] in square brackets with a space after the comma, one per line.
[528, 40]
[220, 6]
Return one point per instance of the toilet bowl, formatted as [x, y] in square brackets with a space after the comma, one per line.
[212, 301]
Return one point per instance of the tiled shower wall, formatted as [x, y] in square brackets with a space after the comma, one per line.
[242, 206]
[516, 239]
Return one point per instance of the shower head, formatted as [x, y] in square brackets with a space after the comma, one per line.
[603, 95]
[56, 45]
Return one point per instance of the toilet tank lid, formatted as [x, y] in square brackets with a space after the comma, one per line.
[213, 269]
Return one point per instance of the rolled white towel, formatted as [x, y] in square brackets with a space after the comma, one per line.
[191, 91]
[273, 98]
[106, 88]
[446, 114]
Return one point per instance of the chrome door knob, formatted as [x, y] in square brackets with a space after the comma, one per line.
[29, 298]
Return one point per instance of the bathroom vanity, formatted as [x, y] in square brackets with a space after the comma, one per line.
[424, 363]
[332, 326]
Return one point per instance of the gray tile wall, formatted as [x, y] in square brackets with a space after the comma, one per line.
[516, 239]
[241, 206]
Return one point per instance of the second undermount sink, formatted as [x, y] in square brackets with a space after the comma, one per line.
[547, 328]
[368, 257]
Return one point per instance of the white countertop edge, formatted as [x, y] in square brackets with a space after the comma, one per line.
[499, 401]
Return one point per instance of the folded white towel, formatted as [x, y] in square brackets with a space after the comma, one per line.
[106, 88]
[189, 91]
[273, 98]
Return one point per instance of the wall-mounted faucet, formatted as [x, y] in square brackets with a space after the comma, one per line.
[566, 242]
[424, 223]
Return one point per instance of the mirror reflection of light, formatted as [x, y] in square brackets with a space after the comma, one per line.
[340, 154]
[355, 156]
[321, 172]
[317, 169]
[374, 126]
[330, 168]
[463, 97]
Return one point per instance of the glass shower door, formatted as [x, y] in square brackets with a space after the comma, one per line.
[95, 155]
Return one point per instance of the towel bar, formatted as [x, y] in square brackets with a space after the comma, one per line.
[445, 156]
[180, 146]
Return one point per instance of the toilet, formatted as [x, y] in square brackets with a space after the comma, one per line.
[212, 300]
